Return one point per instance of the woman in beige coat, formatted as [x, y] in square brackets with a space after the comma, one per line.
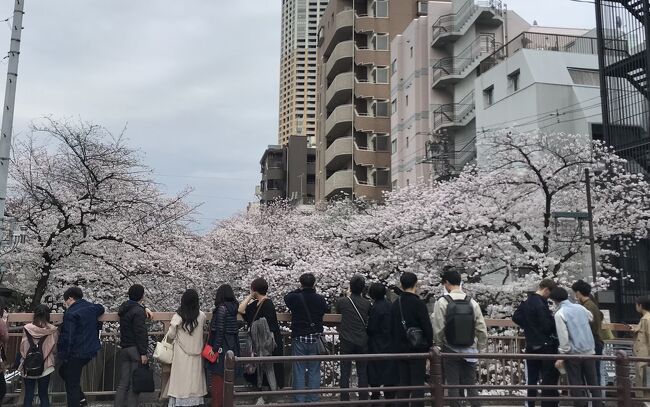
[642, 342]
[187, 384]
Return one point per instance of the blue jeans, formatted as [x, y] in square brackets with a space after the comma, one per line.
[312, 370]
[30, 390]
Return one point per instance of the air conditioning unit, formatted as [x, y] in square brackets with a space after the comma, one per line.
[423, 8]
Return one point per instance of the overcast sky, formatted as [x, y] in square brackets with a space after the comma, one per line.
[196, 81]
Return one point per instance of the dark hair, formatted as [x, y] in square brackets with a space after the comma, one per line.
[307, 280]
[547, 283]
[189, 310]
[260, 286]
[377, 291]
[450, 276]
[559, 294]
[136, 292]
[41, 315]
[224, 294]
[644, 302]
[408, 280]
[357, 284]
[73, 292]
[582, 287]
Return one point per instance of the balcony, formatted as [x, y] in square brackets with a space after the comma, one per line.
[371, 124]
[371, 158]
[372, 90]
[543, 42]
[368, 24]
[342, 30]
[367, 190]
[273, 173]
[339, 182]
[367, 56]
[454, 114]
[340, 120]
[339, 153]
[272, 195]
[450, 27]
[447, 71]
[340, 90]
[341, 59]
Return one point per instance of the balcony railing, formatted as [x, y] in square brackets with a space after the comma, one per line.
[542, 42]
[456, 65]
[453, 113]
[455, 22]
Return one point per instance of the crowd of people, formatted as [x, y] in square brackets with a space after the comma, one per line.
[370, 324]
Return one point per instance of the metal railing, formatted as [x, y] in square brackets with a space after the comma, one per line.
[543, 42]
[455, 22]
[453, 113]
[435, 391]
[456, 65]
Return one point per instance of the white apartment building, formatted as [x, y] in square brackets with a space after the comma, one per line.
[300, 21]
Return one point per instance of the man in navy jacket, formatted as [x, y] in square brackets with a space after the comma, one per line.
[78, 341]
[538, 323]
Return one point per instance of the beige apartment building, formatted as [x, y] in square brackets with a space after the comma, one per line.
[354, 90]
[300, 19]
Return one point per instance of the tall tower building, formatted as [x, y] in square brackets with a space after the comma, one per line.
[300, 19]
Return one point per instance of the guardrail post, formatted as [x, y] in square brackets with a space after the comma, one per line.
[229, 380]
[435, 373]
[623, 383]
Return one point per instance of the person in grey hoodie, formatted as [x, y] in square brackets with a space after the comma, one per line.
[575, 338]
[134, 343]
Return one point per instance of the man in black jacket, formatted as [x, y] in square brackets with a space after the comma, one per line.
[307, 311]
[409, 311]
[133, 341]
[536, 319]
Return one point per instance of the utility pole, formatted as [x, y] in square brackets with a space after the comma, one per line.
[591, 226]
[10, 98]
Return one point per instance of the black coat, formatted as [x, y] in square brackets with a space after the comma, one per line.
[380, 372]
[133, 329]
[304, 314]
[536, 318]
[416, 315]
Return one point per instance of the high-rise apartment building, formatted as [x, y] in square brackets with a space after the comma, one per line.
[300, 19]
[353, 139]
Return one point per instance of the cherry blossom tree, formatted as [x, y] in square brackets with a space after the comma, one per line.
[94, 218]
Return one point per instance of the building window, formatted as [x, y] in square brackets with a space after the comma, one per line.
[408, 182]
[393, 146]
[513, 81]
[380, 8]
[381, 109]
[380, 42]
[587, 77]
[411, 52]
[393, 67]
[407, 100]
[393, 106]
[311, 179]
[407, 142]
[380, 74]
[488, 96]
[395, 184]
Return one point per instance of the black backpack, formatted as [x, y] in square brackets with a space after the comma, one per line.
[459, 322]
[34, 363]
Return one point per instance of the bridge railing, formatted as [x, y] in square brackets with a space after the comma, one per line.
[101, 375]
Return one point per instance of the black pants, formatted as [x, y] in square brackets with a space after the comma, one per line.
[3, 386]
[581, 373]
[545, 371]
[70, 372]
[411, 373]
[599, 351]
[349, 348]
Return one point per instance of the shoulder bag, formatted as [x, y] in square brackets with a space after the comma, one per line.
[363, 321]
[142, 380]
[414, 336]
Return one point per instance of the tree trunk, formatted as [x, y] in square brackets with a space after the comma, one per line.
[41, 286]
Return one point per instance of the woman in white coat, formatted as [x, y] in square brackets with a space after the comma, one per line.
[187, 385]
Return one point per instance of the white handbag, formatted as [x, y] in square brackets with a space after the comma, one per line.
[164, 351]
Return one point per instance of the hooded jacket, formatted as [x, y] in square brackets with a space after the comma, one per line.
[49, 335]
[133, 329]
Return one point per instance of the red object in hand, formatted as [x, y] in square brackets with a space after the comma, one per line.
[209, 354]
